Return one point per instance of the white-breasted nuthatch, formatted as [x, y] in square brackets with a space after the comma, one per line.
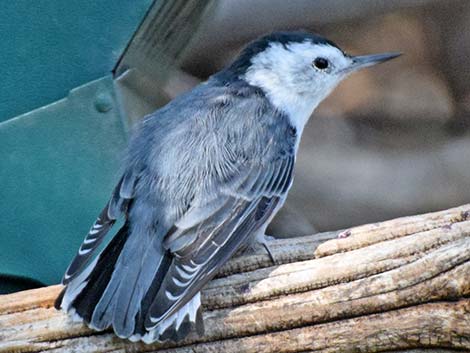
[203, 176]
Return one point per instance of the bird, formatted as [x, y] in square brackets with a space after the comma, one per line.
[202, 178]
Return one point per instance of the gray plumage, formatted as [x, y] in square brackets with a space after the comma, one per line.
[197, 196]
[203, 175]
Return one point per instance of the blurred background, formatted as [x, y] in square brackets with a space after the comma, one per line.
[391, 141]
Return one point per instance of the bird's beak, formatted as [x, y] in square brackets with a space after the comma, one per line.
[362, 61]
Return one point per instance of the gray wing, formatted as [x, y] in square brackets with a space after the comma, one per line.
[208, 235]
[117, 205]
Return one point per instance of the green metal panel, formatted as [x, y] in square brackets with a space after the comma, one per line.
[58, 165]
[48, 47]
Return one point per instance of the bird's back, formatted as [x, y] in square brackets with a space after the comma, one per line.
[202, 174]
[201, 139]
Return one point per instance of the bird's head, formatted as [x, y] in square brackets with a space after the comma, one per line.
[297, 70]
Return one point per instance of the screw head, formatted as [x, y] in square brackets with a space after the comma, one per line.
[103, 103]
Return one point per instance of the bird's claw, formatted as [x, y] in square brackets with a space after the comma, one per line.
[264, 241]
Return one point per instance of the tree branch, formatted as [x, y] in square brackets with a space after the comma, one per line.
[394, 285]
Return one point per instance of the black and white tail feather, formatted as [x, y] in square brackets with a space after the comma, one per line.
[107, 292]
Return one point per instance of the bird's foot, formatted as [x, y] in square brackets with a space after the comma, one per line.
[265, 240]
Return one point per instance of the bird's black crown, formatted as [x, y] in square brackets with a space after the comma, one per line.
[243, 61]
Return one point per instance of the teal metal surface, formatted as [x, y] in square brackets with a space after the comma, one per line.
[58, 165]
[48, 47]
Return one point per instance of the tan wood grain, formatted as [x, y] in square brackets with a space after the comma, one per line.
[397, 285]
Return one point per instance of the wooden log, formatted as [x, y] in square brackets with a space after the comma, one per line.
[397, 285]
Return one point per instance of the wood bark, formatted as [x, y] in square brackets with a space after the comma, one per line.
[400, 285]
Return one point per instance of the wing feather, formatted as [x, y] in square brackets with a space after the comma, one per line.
[218, 234]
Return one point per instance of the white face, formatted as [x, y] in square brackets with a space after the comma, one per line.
[297, 77]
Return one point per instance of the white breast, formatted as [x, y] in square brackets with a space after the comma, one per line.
[280, 73]
[297, 107]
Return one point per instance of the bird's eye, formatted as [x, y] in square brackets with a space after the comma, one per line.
[320, 63]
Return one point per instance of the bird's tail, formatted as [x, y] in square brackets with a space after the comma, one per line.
[81, 295]
[118, 287]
